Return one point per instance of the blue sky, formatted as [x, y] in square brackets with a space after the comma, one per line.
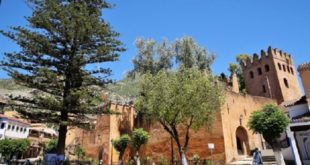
[225, 27]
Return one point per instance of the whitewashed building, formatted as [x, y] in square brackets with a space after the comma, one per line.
[298, 131]
[11, 128]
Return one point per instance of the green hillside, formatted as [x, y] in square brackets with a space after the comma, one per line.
[126, 89]
[9, 84]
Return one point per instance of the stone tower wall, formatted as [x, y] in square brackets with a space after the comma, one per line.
[273, 75]
[304, 71]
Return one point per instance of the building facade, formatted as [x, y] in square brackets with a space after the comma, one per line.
[272, 75]
[11, 128]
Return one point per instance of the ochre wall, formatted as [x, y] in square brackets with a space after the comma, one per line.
[222, 132]
[305, 77]
[97, 142]
[235, 113]
[159, 144]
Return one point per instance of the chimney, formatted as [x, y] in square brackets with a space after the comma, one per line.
[235, 84]
[304, 71]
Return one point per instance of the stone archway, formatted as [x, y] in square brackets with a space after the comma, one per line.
[242, 141]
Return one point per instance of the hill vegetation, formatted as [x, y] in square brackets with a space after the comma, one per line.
[9, 84]
[121, 91]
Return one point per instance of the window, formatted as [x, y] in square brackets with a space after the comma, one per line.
[17, 128]
[292, 70]
[264, 89]
[284, 69]
[279, 65]
[288, 69]
[24, 129]
[21, 129]
[259, 70]
[267, 68]
[9, 127]
[13, 127]
[251, 74]
[286, 83]
[2, 125]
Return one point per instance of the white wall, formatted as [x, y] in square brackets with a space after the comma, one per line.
[14, 129]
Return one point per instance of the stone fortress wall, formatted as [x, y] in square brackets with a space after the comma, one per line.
[229, 124]
[269, 78]
[272, 75]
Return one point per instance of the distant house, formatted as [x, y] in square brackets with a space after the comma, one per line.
[39, 135]
[12, 128]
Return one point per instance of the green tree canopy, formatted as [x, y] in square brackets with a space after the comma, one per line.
[242, 58]
[236, 68]
[190, 54]
[153, 57]
[10, 147]
[270, 121]
[79, 152]
[50, 146]
[139, 137]
[59, 47]
[187, 97]
[121, 144]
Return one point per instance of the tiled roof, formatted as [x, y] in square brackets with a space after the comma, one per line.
[14, 119]
[304, 66]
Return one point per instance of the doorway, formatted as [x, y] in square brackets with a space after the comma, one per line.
[242, 141]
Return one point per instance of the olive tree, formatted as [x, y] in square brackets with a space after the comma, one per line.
[139, 137]
[120, 145]
[187, 98]
[10, 147]
[270, 121]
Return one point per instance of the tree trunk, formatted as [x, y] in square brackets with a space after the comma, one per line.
[183, 158]
[120, 159]
[137, 158]
[277, 153]
[61, 144]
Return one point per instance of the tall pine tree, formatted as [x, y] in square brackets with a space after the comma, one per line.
[59, 48]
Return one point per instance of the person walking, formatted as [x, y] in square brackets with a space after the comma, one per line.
[27, 162]
[257, 157]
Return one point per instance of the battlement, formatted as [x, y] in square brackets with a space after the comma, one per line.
[271, 53]
[305, 66]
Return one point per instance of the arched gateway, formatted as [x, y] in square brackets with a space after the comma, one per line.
[242, 141]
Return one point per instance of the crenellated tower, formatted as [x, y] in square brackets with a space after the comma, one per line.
[273, 75]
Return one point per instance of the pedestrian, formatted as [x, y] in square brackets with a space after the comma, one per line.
[257, 157]
[27, 162]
